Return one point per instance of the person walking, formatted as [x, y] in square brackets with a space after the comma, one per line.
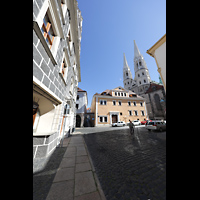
[131, 127]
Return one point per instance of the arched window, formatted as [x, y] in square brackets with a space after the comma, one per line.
[157, 102]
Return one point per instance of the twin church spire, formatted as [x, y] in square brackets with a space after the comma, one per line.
[141, 71]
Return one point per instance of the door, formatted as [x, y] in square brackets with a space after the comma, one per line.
[114, 118]
[78, 121]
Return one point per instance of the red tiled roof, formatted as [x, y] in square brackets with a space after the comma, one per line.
[80, 90]
[153, 87]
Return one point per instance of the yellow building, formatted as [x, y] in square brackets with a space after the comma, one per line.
[116, 105]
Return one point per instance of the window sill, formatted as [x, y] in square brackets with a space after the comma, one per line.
[41, 37]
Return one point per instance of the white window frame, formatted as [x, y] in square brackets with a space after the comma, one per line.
[115, 102]
[141, 103]
[120, 102]
[130, 111]
[129, 103]
[134, 103]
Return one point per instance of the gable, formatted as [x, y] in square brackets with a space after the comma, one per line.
[120, 88]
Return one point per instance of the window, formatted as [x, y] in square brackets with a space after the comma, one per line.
[103, 119]
[47, 30]
[140, 63]
[136, 112]
[142, 73]
[69, 42]
[134, 103]
[138, 75]
[130, 112]
[114, 102]
[100, 119]
[142, 112]
[77, 97]
[122, 94]
[120, 113]
[144, 81]
[76, 106]
[103, 102]
[129, 103]
[115, 93]
[126, 73]
[125, 94]
[141, 104]
[118, 93]
[67, 109]
[63, 68]
[120, 103]
[139, 82]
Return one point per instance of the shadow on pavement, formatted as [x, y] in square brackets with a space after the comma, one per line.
[42, 180]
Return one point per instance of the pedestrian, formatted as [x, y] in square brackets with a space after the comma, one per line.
[131, 127]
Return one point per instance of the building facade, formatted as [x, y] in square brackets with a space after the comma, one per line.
[116, 105]
[57, 28]
[142, 85]
[158, 51]
[81, 107]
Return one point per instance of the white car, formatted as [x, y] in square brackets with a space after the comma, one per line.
[136, 122]
[156, 125]
[121, 123]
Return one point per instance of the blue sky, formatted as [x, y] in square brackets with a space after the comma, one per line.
[109, 28]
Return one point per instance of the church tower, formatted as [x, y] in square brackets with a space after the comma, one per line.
[127, 75]
[142, 76]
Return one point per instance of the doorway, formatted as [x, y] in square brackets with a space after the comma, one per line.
[114, 118]
[78, 121]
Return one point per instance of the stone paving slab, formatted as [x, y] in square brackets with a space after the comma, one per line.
[85, 179]
[61, 190]
[81, 167]
[64, 174]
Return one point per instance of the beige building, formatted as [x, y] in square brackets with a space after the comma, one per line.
[116, 105]
[158, 51]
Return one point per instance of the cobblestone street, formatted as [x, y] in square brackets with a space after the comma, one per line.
[130, 168]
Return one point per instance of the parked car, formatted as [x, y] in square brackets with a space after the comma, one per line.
[136, 122]
[145, 121]
[121, 123]
[156, 125]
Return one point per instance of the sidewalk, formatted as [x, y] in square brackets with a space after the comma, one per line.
[76, 178]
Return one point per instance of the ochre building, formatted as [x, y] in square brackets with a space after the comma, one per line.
[118, 104]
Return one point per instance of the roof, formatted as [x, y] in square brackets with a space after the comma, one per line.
[80, 90]
[107, 92]
[152, 49]
[154, 87]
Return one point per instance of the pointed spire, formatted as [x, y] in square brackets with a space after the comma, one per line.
[125, 61]
[136, 50]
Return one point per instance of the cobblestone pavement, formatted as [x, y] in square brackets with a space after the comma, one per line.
[130, 168]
